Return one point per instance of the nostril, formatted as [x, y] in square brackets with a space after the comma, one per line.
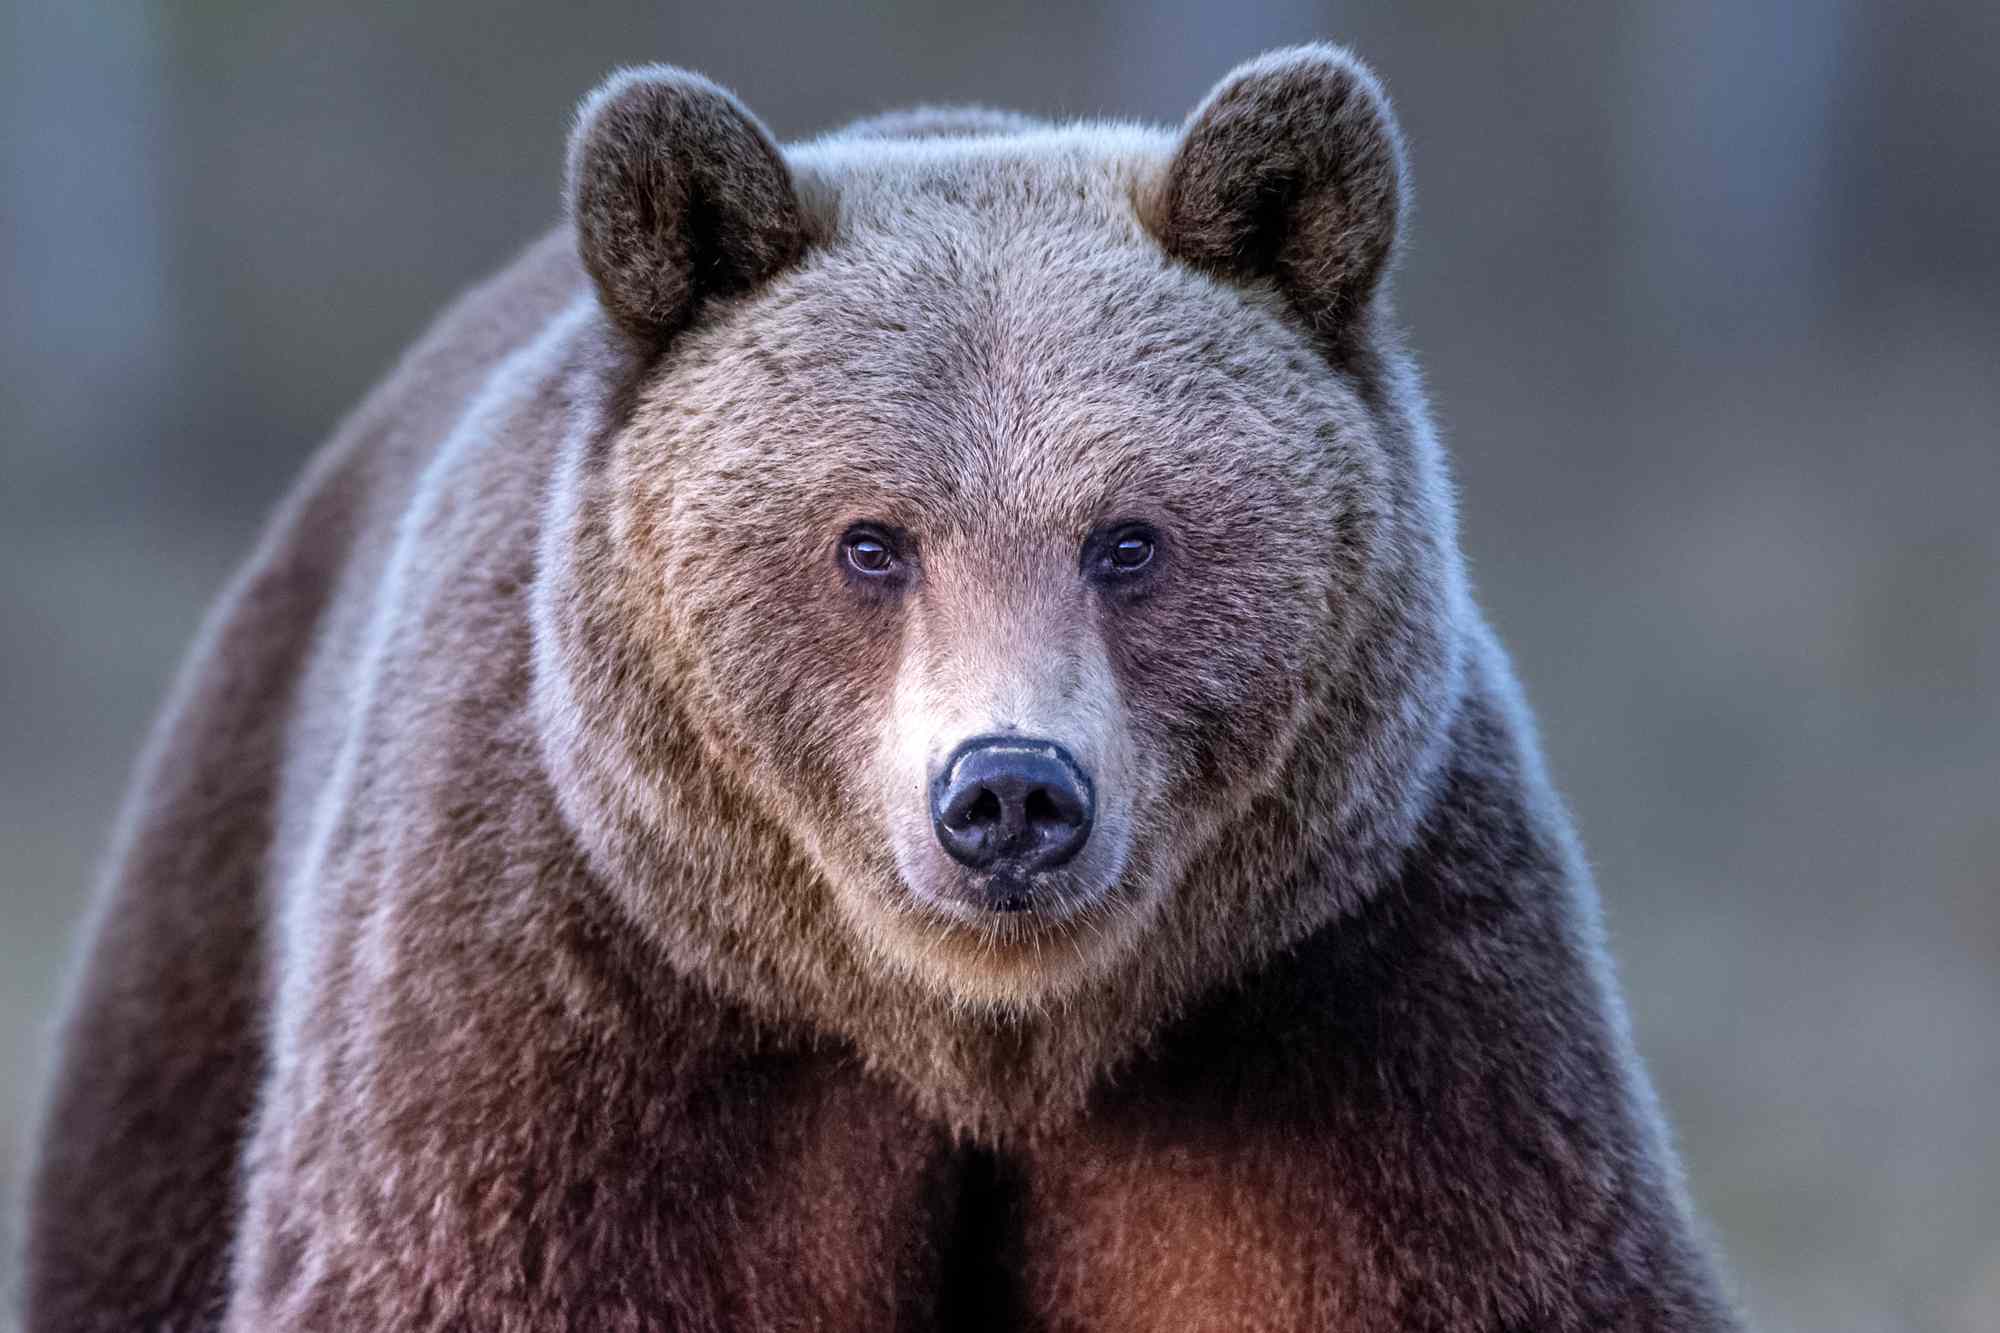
[984, 810]
[1041, 809]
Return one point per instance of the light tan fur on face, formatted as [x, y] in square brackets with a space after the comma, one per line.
[1019, 656]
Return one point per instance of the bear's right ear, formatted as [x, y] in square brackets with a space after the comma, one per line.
[677, 192]
[1292, 170]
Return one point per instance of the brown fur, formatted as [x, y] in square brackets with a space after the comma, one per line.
[523, 923]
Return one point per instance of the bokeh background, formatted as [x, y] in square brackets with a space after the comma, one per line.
[1709, 296]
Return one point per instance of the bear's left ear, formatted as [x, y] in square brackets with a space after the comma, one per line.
[1292, 169]
[677, 192]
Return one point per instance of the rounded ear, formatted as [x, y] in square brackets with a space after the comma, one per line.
[677, 193]
[1292, 169]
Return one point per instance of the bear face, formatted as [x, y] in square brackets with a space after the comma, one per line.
[1012, 518]
[906, 392]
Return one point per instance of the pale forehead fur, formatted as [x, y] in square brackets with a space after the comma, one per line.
[987, 328]
[1034, 175]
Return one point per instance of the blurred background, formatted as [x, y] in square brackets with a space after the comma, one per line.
[1709, 297]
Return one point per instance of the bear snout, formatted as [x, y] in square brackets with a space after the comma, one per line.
[1012, 806]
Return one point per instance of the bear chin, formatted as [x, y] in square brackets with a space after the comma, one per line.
[1017, 955]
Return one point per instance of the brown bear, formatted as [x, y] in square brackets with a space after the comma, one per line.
[884, 733]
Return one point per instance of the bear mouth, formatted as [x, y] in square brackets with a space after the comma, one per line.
[1016, 901]
[1007, 896]
[1006, 939]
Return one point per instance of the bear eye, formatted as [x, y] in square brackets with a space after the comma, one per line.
[1121, 552]
[869, 552]
[1132, 551]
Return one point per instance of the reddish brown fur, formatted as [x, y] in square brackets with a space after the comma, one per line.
[511, 928]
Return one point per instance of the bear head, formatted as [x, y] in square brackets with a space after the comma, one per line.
[1004, 564]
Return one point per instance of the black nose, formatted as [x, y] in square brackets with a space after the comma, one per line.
[1011, 803]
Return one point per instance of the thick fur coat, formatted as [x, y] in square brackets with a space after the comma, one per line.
[526, 917]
